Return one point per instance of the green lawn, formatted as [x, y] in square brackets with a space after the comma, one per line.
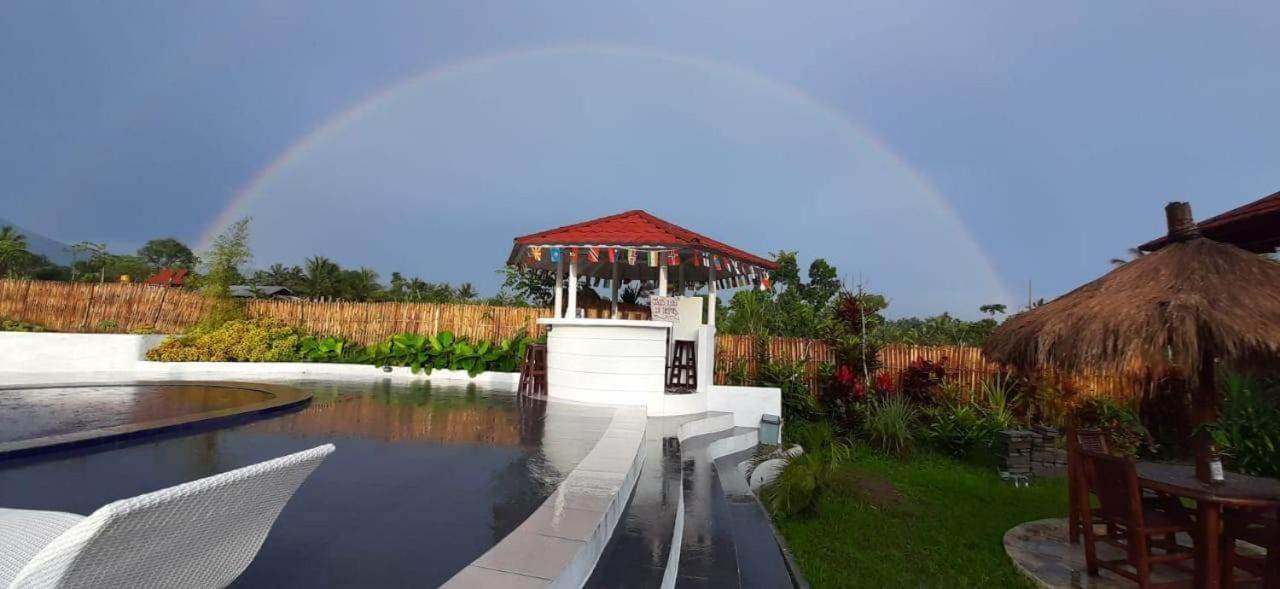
[925, 522]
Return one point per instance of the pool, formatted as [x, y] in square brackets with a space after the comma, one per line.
[425, 478]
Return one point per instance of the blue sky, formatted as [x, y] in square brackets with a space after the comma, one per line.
[947, 153]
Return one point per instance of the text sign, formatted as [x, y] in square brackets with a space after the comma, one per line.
[664, 309]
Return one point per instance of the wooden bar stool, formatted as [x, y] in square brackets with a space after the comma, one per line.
[533, 375]
[682, 373]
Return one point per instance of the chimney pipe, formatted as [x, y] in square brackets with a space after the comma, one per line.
[1181, 225]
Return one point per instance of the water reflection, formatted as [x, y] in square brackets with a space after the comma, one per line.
[35, 412]
[425, 478]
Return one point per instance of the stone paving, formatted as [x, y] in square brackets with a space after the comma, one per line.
[1040, 550]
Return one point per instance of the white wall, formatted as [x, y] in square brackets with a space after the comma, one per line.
[72, 352]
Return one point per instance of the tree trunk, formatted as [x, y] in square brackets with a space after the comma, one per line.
[1204, 411]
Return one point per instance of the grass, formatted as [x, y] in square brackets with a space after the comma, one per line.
[926, 522]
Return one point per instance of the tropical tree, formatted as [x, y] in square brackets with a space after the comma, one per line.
[13, 250]
[96, 256]
[358, 285]
[167, 252]
[290, 277]
[994, 309]
[321, 276]
[228, 252]
[465, 292]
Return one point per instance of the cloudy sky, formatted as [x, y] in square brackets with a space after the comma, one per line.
[947, 153]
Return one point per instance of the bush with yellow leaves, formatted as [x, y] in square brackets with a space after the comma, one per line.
[243, 340]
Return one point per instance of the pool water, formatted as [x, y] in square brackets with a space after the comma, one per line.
[36, 412]
[425, 478]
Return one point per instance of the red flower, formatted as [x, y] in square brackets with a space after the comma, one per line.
[845, 376]
[884, 382]
[859, 389]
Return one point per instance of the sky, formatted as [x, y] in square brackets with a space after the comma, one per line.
[946, 154]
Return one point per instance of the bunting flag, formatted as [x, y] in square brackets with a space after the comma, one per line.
[535, 253]
[555, 254]
[764, 281]
[593, 255]
[613, 256]
[653, 259]
[706, 260]
[631, 256]
[716, 260]
[673, 259]
[695, 257]
[573, 255]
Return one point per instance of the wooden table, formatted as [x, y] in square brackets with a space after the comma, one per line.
[1237, 491]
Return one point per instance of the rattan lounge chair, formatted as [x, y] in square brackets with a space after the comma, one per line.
[198, 534]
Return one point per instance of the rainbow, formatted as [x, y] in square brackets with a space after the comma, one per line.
[298, 150]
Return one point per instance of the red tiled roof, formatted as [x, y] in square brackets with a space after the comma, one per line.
[638, 228]
[169, 277]
[1255, 227]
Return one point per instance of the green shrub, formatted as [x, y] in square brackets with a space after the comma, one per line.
[804, 476]
[1124, 430]
[798, 401]
[1248, 428]
[11, 325]
[106, 326]
[962, 430]
[889, 423]
[445, 351]
[242, 340]
[330, 349]
[144, 330]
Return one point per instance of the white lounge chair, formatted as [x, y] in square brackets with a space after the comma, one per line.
[198, 534]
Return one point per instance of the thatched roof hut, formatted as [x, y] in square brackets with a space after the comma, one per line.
[1191, 305]
[1193, 298]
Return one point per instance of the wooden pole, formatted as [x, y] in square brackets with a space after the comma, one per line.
[1204, 407]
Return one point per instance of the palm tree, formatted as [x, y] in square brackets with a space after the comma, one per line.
[13, 250]
[321, 276]
[465, 292]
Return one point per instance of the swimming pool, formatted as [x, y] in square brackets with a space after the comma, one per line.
[425, 479]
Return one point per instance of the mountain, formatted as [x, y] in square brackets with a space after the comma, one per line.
[56, 251]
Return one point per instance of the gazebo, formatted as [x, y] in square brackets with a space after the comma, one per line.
[626, 361]
[638, 246]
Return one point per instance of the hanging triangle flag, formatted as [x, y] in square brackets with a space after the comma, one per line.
[673, 259]
[653, 259]
[573, 255]
[555, 254]
[631, 256]
[716, 260]
[706, 259]
[764, 281]
[695, 257]
[535, 253]
[593, 254]
[613, 255]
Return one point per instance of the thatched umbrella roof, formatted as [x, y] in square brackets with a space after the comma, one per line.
[1187, 304]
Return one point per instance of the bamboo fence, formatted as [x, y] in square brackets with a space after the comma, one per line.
[965, 365]
[115, 307]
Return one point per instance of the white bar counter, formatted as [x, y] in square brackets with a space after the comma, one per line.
[613, 361]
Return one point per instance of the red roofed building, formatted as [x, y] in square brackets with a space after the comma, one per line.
[1254, 227]
[636, 245]
[169, 277]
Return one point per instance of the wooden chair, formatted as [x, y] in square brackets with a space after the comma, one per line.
[1131, 524]
[1095, 441]
[1257, 527]
[533, 375]
[683, 371]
